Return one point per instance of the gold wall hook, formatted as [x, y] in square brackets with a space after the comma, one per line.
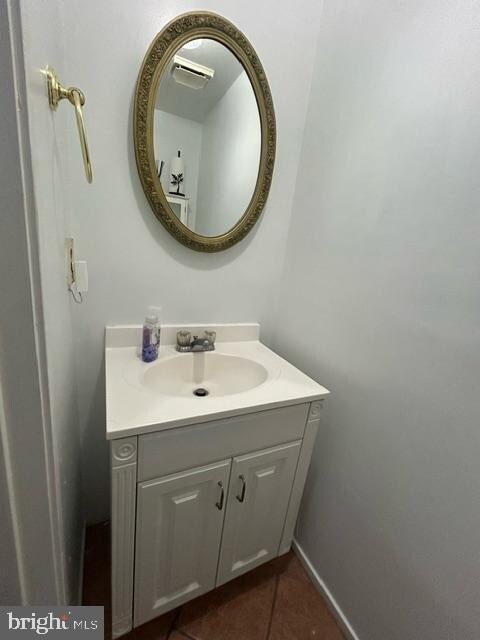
[76, 97]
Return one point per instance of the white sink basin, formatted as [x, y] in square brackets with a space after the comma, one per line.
[242, 375]
[218, 374]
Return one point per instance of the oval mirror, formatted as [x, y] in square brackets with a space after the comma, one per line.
[204, 130]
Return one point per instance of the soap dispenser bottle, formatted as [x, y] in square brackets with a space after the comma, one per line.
[151, 335]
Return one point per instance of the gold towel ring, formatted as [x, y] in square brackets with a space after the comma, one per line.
[76, 97]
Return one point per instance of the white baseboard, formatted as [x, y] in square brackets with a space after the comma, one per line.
[325, 592]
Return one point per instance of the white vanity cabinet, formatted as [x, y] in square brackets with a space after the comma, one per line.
[178, 534]
[258, 497]
[196, 506]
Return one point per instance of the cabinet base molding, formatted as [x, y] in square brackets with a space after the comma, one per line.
[121, 626]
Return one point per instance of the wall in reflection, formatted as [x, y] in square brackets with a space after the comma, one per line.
[212, 121]
[228, 172]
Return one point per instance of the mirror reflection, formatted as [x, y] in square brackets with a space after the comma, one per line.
[207, 137]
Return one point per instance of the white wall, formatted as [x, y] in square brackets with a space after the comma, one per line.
[34, 537]
[171, 134]
[380, 302]
[229, 160]
[49, 135]
[10, 589]
[132, 260]
[11, 231]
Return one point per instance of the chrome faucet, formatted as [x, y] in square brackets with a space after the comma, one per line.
[200, 344]
[185, 343]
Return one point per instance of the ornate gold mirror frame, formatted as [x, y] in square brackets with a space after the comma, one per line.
[200, 24]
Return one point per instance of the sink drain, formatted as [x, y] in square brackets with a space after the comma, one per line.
[200, 392]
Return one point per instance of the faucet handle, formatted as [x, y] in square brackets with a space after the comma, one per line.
[210, 335]
[183, 338]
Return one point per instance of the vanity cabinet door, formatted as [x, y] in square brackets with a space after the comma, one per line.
[260, 487]
[179, 528]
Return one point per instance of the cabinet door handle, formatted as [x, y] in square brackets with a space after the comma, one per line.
[241, 497]
[219, 503]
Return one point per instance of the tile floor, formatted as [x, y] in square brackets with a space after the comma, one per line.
[277, 601]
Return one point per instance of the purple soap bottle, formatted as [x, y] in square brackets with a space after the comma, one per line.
[151, 335]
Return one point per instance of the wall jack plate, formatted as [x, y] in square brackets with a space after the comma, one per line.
[70, 261]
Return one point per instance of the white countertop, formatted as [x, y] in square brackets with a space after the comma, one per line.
[133, 408]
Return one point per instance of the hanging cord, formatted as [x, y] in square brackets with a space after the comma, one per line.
[76, 295]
